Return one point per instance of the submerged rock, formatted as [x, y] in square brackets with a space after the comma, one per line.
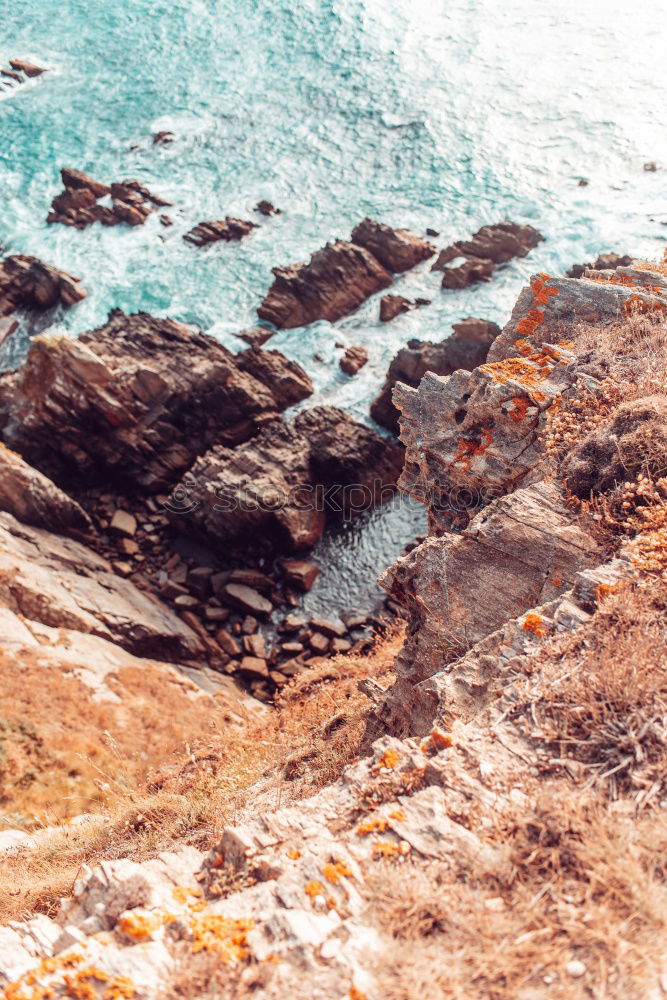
[467, 348]
[334, 283]
[279, 487]
[135, 401]
[397, 250]
[227, 229]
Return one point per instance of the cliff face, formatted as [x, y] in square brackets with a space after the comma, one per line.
[481, 847]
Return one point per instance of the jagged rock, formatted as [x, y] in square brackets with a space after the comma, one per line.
[77, 205]
[604, 262]
[498, 243]
[353, 360]
[467, 348]
[392, 306]
[227, 229]
[61, 583]
[29, 283]
[397, 249]
[278, 487]
[266, 208]
[163, 138]
[35, 500]
[28, 68]
[468, 272]
[550, 304]
[256, 336]
[136, 400]
[521, 551]
[333, 284]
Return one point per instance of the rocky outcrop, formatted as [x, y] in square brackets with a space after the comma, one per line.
[490, 246]
[61, 583]
[466, 349]
[280, 486]
[78, 204]
[227, 229]
[266, 208]
[135, 401]
[33, 499]
[19, 71]
[518, 552]
[353, 360]
[397, 250]
[27, 283]
[331, 285]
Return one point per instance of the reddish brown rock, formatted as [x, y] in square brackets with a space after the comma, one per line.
[266, 208]
[29, 283]
[604, 262]
[78, 204]
[334, 283]
[299, 573]
[227, 229]
[490, 246]
[353, 360]
[467, 348]
[469, 272]
[135, 401]
[397, 249]
[392, 306]
[256, 336]
[277, 489]
[27, 68]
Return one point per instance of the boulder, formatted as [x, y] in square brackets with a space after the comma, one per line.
[466, 349]
[134, 402]
[256, 336]
[266, 208]
[61, 583]
[353, 360]
[397, 249]
[27, 68]
[227, 229]
[300, 574]
[247, 599]
[29, 283]
[279, 487]
[33, 499]
[392, 306]
[468, 272]
[334, 283]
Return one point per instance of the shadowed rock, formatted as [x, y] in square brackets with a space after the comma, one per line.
[134, 402]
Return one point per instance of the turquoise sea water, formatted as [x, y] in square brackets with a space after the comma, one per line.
[440, 113]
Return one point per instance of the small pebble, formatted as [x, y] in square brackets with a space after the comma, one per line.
[575, 968]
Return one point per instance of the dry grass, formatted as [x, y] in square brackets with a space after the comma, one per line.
[177, 774]
[587, 887]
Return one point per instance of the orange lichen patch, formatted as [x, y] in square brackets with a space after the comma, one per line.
[80, 986]
[526, 371]
[139, 926]
[541, 292]
[378, 825]
[335, 872]
[387, 849]
[389, 759]
[294, 855]
[467, 450]
[534, 624]
[183, 894]
[217, 860]
[120, 988]
[637, 305]
[330, 903]
[604, 590]
[556, 581]
[226, 937]
[314, 889]
[530, 323]
[567, 345]
[356, 994]
[519, 409]
[440, 740]
[397, 815]
[523, 347]
[28, 987]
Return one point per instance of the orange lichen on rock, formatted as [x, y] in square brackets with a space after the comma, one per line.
[519, 409]
[183, 894]
[467, 450]
[336, 871]
[397, 815]
[636, 305]
[526, 371]
[389, 759]
[139, 926]
[120, 988]
[226, 937]
[314, 889]
[378, 825]
[387, 849]
[534, 624]
[541, 292]
[530, 323]
[294, 855]
[356, 994]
